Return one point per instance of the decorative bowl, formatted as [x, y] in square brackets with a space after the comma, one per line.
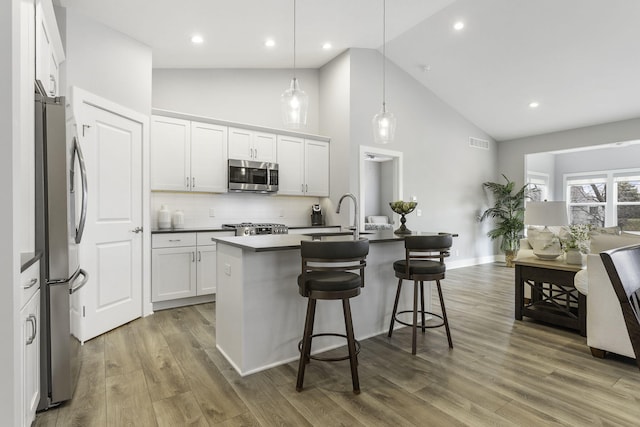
[403, 208]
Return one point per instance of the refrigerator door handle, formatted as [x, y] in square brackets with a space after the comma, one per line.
[84, 281]
[83, 173]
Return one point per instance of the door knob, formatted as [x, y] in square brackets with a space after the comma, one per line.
[137, 230]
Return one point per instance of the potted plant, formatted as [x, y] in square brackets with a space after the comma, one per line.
[576, 242]
[508, 215]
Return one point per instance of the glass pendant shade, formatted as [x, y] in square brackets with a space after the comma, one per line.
[384, 127]
[294, 104]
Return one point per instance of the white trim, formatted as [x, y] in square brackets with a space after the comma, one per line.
[78, 97]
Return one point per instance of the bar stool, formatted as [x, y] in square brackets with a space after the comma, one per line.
[424, 261]
[327, 275]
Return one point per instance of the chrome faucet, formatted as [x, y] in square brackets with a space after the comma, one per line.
[356, 219]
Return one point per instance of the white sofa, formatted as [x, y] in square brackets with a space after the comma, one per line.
[606, 330]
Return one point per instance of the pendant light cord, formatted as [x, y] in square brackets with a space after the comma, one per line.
[384, 56]
[294, 39]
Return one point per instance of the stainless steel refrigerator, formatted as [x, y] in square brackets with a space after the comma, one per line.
[61, 206]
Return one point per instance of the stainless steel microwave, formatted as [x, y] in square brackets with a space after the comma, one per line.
[251, 176]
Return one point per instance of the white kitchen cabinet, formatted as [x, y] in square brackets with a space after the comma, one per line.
[173, 262]
[30, 349]
[303, 167]
[183, 265]
[206, 268]
[49, 50]
[246, 144]
[188, 155]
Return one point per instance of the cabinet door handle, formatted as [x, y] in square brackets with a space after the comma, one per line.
[193, 257]
[199, 256]
[193, 182]
[306, 188]
[255, 153]
[34, 328]
[31, 283]
[186, 183]
[175, 240]
[137, 230]
[302, 188]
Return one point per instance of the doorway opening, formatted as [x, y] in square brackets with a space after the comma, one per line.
[380, 182]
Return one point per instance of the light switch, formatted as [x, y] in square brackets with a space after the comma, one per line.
[419, 212]
[227, 269]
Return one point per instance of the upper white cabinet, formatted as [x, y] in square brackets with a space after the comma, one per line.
[303, 167]
[187, 155]
[245, 144]
[49, 51]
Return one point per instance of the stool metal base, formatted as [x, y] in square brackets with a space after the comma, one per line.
[418, 290]
[330, 359]
[421, 312]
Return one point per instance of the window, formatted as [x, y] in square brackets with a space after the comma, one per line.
[538, 186]
[627, 201]
[605, 199]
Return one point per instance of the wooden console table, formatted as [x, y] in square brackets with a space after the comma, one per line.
[554, 298]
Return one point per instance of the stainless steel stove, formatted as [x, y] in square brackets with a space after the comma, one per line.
[251, 229]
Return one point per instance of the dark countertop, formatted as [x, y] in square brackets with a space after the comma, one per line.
[206, 229]
[27, 259]
[281, 242]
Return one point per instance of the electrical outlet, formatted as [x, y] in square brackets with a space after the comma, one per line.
[212, 212]
[227, 269]
[457, 252]
[281, 213]
[419, 212]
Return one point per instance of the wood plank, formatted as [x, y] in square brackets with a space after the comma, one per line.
[128, 401]
[180, 410]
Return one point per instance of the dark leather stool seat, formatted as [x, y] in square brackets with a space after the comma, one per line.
[424, 261]
[327, 274]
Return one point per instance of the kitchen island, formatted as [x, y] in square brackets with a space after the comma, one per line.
[260, 314]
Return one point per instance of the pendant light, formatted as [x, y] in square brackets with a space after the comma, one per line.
[384, 123]
[294, 101]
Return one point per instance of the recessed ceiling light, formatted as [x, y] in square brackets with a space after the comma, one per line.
[270, 43]
[534, 104]
[327, 46]
[197, 39]
[458, 25]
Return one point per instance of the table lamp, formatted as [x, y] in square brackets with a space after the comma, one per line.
[547, 214]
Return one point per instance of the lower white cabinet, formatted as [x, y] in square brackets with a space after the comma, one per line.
[183, 265]
[30, 349]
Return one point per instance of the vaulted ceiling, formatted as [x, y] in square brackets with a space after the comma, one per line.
[578, 59]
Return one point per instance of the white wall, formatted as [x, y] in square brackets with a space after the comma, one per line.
[238, 95]
[511, 153]
[372, 175]
[440, 168]
[335, 113]
[105, 62]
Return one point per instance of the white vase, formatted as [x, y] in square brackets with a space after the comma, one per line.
[178, 219]
[574, 256]
[164, 217]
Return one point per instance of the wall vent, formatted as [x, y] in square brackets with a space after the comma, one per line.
[478, 143]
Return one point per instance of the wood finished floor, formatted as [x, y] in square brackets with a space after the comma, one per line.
[165, 370]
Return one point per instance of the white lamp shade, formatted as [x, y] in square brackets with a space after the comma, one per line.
[546, 213]
[295, 103]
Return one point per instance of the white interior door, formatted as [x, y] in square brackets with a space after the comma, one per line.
[111, 249]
